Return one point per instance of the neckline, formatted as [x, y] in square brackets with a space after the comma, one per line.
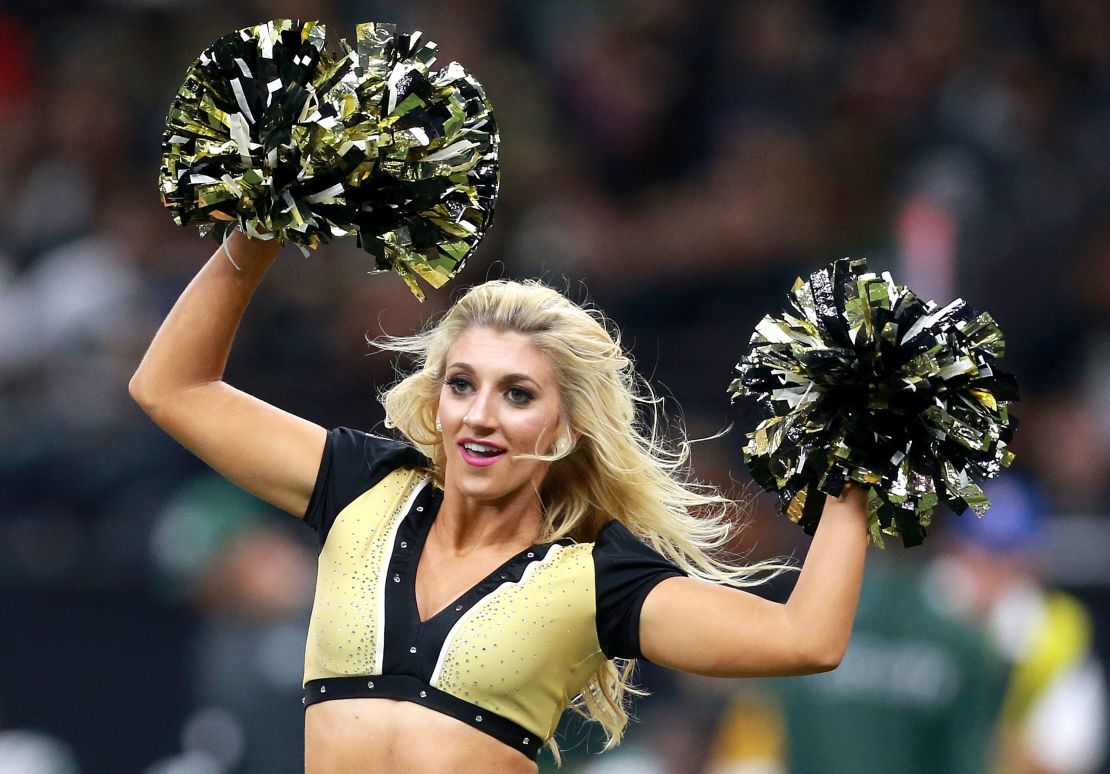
[421, 523]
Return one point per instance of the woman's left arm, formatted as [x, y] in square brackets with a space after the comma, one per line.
[706, 629]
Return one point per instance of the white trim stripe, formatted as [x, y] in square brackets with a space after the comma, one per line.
[529, 571]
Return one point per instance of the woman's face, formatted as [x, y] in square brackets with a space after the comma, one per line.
[499, 399]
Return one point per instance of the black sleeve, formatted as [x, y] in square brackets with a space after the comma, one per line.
[353, 462]
[625, 570]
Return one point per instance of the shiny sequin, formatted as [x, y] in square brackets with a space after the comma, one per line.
[528, 642]
[352, 567]
[521, 652]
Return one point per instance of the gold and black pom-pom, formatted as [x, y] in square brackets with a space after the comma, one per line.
[273, 132]
[862, 382]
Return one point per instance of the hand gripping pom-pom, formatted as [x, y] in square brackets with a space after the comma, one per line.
[861, 382]
[273, 132]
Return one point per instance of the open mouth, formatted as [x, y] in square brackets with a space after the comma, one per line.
[477, 453]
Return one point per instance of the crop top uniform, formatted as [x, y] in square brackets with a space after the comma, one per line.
[506, 657]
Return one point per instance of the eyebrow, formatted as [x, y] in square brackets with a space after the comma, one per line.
[504, 379]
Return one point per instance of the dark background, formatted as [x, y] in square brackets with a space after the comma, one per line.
[678, 163]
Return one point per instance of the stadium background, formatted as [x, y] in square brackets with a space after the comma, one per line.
[677, 162]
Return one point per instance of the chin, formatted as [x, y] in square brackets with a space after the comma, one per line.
[484, 493]
[488, 491]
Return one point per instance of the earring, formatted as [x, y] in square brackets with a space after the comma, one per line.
[439, 426]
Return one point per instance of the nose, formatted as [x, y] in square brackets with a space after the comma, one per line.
[480, 415]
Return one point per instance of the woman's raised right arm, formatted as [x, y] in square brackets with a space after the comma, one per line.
[269, 452]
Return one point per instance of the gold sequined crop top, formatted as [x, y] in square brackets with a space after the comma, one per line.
[507, 656]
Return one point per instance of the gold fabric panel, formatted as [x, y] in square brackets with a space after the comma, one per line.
[528, 648]
[344, 635]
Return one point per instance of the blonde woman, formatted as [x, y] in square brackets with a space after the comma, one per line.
[527, 540]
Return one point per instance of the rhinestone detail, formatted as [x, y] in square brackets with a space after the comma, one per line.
[344, 620]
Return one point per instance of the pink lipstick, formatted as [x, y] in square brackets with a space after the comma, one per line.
[480, 454]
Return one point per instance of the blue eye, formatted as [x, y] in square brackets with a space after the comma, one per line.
[518, 395]
[458, 384]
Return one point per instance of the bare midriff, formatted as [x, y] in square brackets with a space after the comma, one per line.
[368, 736]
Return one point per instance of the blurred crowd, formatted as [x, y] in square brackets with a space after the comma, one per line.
[678, 163]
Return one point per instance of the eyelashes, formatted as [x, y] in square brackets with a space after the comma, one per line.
[456, 383]
[516, 395]
[523, 396]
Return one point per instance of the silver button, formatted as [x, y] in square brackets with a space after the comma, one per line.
[526, 740]
[412, 649]
[530, 555]
[478, 718]
[420, 509]
[396, 578]
[458, 608]
[370, 684]
[423, 694]
[304, 700]
[404, 544]
[323, 689]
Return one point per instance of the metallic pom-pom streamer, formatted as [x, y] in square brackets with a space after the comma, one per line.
[273, 132]
[861, 382]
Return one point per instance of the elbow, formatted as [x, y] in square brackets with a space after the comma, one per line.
[138, 392]
[826, 664]
[819, 645]
[815, 651]
[163, 403]
[825, 658]
[149, 399]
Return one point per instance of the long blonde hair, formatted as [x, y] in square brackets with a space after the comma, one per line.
[622, 466]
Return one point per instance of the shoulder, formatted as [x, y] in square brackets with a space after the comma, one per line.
[616, 546]
[352, 463]
[374, 453]
[626, 569]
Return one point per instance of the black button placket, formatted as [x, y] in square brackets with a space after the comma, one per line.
[411, 647]
[404, 652]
